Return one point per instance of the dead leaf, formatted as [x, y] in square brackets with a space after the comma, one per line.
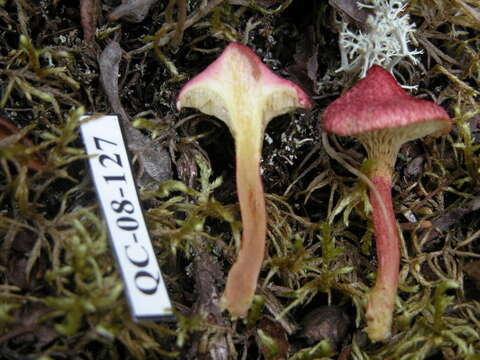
[352, 12]
[154, 158]
[306, 60]
[443, 222]
[133, 11]
[209, 344]
[473, 271]
[27, 328]
[23, 242]
[326, 322]
[472, 280]
[415, 166]
[26, 270]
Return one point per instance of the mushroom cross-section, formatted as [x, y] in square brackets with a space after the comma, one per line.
[382, 116]
[244, 93]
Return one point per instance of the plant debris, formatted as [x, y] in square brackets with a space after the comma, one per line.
[154, 157]
[88, 12]
[131, 10]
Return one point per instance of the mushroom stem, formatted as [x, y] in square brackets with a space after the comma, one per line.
[381, 300]
[243, 92]
[243, 276]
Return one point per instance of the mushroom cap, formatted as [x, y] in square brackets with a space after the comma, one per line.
[238, 85]
[377, 102]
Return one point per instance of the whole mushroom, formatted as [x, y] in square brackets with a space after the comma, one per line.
[382, 116]
[240, 90]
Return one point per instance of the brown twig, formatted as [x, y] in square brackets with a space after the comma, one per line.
[88, 14]
[181, 18]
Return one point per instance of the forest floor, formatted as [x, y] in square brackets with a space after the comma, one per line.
[61, 294]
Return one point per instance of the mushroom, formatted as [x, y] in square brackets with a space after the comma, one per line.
[382, 116]
[244, 93]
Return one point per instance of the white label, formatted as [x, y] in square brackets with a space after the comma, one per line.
[117, 194]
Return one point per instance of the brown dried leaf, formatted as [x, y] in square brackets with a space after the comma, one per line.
[17, 274]
[352, 12]
[26, 270]
[28, 329]
[210, 344]
[154, 158]
[415, 166]
[109, 67]
[326, 322]
[133, 11]
[443, 222]
[472, 281]
[306, 60]
[473, 271]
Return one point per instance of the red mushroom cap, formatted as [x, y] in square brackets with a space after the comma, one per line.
[239, 81]
[262, 71]
[378, 102]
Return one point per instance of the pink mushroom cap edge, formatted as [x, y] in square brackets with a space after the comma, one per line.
[378, 102]
[265, 75]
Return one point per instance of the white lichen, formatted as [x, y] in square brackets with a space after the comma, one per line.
[385, 43]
